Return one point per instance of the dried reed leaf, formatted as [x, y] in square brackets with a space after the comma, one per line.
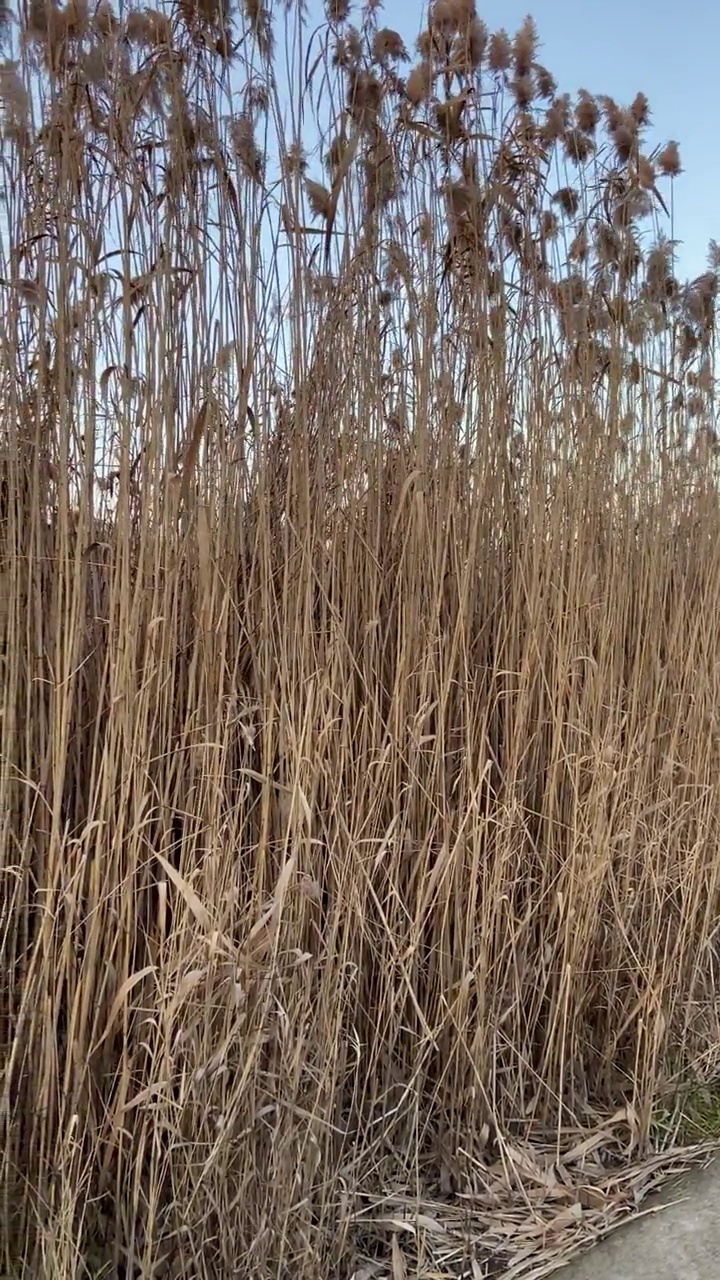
[186, 891]
[242, 135]
[399, 1267]
[120, 1000]
[192, 451]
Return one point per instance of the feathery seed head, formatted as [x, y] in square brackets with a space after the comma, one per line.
[568, 200]
[668, 160]
[96, 64]
[77, 19]
[476, 42]
[631, 204]
[335, 153]
[525, 47]
[646, 173]
[224, 45]
[705, 378]
[549, 225]
[364, 96]
[449, 117]
[449, 16]
[624, 138]
[587, 113]
[578, 146]
[148, 27]
[426, 45]
[294, 161]
[419, 83]
[580, 246]
[657, 267]
[242, 136]
[556, 120]
[500, 52]
[546, 83]
[523, 89]
[337, 11]
[611, 111]
[425, 230]
[104, 20]
[259, 19]
[441, 17]
[640, 110]
[348, 50]
[700, 297]
[607, 243]
[256, 97]
[689, 344]
[319, 199]
[388, 45]
[695, 406]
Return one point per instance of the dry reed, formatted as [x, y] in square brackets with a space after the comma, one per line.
[360, 786]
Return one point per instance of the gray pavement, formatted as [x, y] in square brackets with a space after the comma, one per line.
[676, 1236]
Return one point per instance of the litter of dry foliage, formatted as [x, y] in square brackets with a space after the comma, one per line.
[529, 1214]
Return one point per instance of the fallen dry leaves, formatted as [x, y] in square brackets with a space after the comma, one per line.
[533, 1215]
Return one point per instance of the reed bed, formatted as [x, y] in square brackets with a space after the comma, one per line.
[360, 576]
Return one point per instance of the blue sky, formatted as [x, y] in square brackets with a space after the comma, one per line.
[669, 50]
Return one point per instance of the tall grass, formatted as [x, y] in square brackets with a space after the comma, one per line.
[360, 787]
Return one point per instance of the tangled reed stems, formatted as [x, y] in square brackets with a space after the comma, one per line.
[360, 745]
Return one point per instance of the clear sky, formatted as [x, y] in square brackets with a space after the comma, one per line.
[669, 49]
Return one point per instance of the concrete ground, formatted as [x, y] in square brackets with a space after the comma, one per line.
[676, 1236]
